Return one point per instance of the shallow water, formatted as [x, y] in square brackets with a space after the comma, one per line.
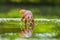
[45, 29]
[38, 36]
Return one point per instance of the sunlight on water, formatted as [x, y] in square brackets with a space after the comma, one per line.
[29, 39]
[46, 25]
[43, 36]
[33, 39]
[36, 19]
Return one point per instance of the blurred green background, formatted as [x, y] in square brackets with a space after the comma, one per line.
[40, 9]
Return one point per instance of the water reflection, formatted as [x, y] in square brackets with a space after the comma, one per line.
[38, 36]
[44, 30]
